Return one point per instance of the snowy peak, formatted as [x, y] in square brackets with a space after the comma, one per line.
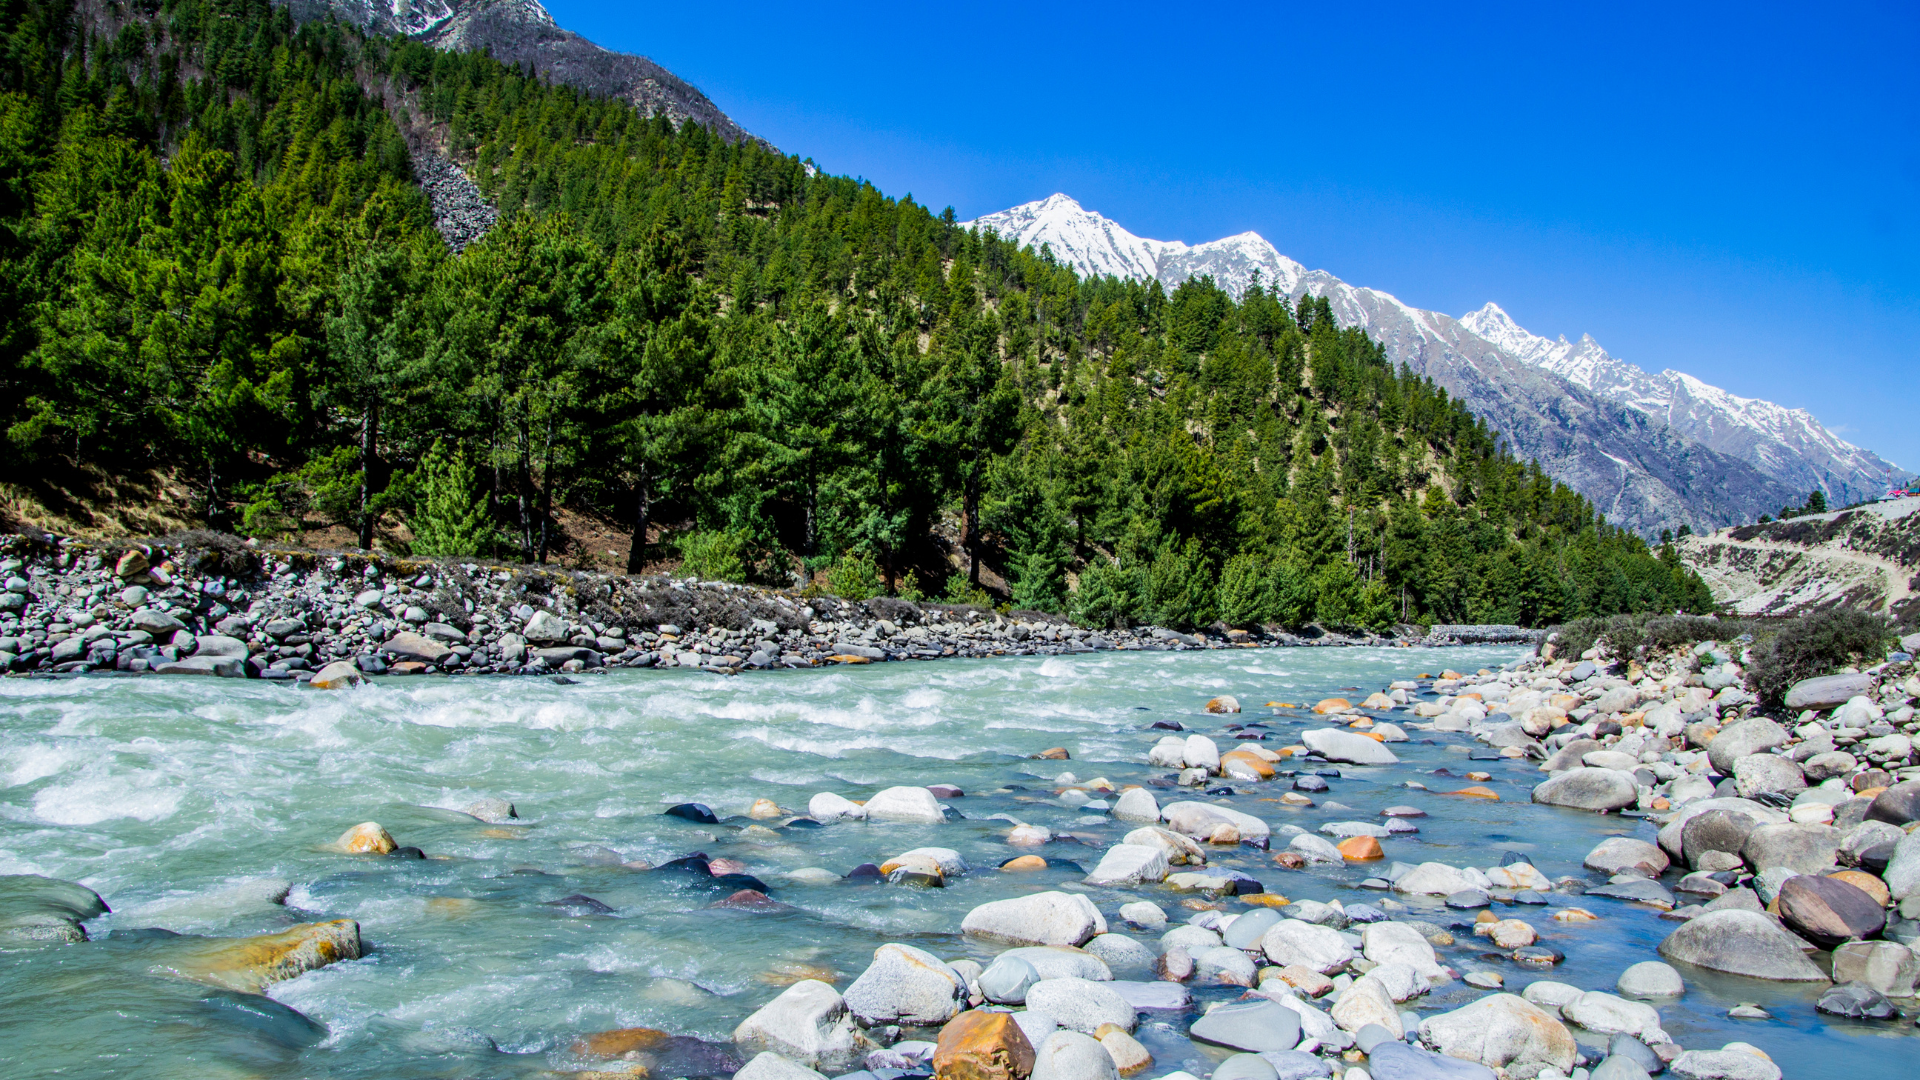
[1095, 245]
[1787, 444]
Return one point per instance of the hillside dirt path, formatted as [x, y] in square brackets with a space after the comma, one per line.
[1898, 578]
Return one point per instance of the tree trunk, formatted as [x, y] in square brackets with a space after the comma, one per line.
[546, 494]
[369, 442]
[637, 554]
[520, 496]
[969, 525]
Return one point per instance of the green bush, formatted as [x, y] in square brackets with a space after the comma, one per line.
[1814, 645]
[1108, 597]
[452, 517]
[1245, 594]
[855, 577]
[719, 555]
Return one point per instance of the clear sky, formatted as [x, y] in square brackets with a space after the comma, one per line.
[1729, 190]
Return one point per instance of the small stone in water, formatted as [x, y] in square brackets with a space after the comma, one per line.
[865, 872]
[1485, 980]
[1468, 899]
[1856, 1002]
[1024, 862]
[698, 813]
[1309, 783]
[1749, 1012]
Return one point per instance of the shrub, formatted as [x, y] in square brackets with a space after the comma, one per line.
[1108, 597]
[452, 519]
[1245, 594]
[1814, 645]
[1180, 587]
[854, 577]
[719, 555]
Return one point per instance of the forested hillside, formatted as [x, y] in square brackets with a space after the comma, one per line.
[217, 264]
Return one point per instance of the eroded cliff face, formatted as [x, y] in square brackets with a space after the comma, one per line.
[1868, 557]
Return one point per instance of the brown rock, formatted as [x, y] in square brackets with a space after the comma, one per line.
[1290, 861]
[1332, 705]
[1258, 764]
[1024, 862]
[132, 563]
[366, 838]
[1225, 703]
[1058, 753]
[1263, 899]
[1174, 965]
[749, 899]
[618, 1043]
[1360, 849]
[1828, 911]
[1475, 792]
[1306, 980]
[252, 964]
[982, 1046]
[765, 810]
[1866, 883]
[1129, 1057]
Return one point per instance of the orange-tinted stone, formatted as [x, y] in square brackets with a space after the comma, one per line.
[1025, 862]
[613, 1044]
[981, 1045]
[1058, 753]
[1475, 792]
[1333, 704]
[1252, 760]
[1866, 883]
[1360, 849]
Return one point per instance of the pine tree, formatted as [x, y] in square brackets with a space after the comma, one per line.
[452, 519]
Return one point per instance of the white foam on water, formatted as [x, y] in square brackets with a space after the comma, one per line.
[102, 798]
[42, 760]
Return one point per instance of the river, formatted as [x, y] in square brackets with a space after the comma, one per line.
[189, 803]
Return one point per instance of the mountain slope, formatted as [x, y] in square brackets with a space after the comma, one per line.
[1650, 452]
[1867, 557]
[520, 32]
[1787, 444]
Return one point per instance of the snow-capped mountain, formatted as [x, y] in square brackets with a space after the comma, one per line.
[1649, 451]
[523, 32]
[1788, 444]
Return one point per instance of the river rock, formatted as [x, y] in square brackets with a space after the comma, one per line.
[1249, 929]
[35, 908]
[1156, 996]
[1228, 967]
[1130, 864]
[1741, 739]
[1119, 951]
[1080, 1004]
[339, 675]
[1181, 850]
[1804, 848]
[808, 1024]
[1898, 805]
[1767, 774]
[1828, 911]
[1398, 1061]
[1499, 1030]
[251, 964]
[1619, 1067]
[1144, 914]
[1856, 1002]
[1588, 788]
[1048, 918]
[1828, 691]
[1624, 854]
[1347, 746]
[1252, 1026]
[914, 804]
[1399, 943]
[1435, 879]
[1315, 850]
[1571, 755]
[1070, 1055]
[1136, 804]
[1317, 948]
[1365, 1003]
[1902, 874]
[407, 645]
[906, 985]
[1717, 830]
[366, 838]
[1201, 753]
[1650, 979]
[1740, 943]
[1605, 1014]
[1203, 820]
[982, 1045]
[1725, 1064]
[1886, 966]
[827, 806]
[1066, 962]
[1007, 979]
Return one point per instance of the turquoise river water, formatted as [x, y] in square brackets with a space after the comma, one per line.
[182, 801]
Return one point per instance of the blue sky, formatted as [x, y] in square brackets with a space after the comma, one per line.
[1732, 191]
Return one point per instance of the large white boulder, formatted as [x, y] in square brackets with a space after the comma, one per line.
[1347, 746]
[1048, 918]
[808, 1024]
[1130, 864]
[907, 985]
[915, 804]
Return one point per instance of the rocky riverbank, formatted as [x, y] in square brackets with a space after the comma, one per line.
[218, 607]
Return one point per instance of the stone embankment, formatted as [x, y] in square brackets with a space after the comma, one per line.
[232, 610]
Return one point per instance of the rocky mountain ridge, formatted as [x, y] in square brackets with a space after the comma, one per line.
[1651, 453]
[1867, 557]
[522, 32]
